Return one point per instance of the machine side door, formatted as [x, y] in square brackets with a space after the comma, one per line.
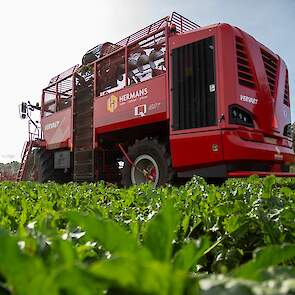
[195, 135]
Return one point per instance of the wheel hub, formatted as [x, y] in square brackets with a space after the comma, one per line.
[145, 169]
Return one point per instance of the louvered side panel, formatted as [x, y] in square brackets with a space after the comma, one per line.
[287, 91]
[271, 69]
[245, 73]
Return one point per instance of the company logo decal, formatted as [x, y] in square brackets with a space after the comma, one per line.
[248, 99]
[52, 125]
[141, 93]
[140, 110]
[112, 103]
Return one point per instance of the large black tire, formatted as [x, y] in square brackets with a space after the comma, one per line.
[45, 166]
[46, 171]
[147, 152]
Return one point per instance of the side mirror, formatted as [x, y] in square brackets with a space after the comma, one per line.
[23, 110]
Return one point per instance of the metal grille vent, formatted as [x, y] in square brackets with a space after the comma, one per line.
[271, 69]
[245, 73]
[193, 74]
[287, 93]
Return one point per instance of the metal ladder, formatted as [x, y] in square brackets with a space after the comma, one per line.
[27, 148]
[35, 135]
[83, 135]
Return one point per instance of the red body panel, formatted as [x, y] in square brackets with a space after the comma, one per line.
[237, 148]
[270, 113]
[196, 148]
[141, 104]
[193, 147]
[57, 129]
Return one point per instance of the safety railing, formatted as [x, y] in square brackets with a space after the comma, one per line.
[64, 75]
[34, 130]
[58, 94]
[181, 23]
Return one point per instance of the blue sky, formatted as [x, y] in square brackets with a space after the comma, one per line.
[40, 39]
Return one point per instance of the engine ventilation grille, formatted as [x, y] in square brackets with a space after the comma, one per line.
[193, 76]
[271, 69]
[245, 72]
[287, 93]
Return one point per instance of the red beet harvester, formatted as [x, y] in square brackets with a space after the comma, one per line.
[172, 100]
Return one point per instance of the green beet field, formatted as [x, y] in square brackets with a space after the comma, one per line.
[237, 238]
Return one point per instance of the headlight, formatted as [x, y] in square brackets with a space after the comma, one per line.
[240, 116]
[288, 130]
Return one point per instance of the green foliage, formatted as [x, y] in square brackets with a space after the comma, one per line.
[161, 232]
[264, 258]
[196, 239]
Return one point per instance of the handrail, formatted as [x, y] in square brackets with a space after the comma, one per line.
[63, 76]
[35, 131]
[182, 23]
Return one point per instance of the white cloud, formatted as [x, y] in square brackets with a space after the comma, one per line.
[7, 158]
